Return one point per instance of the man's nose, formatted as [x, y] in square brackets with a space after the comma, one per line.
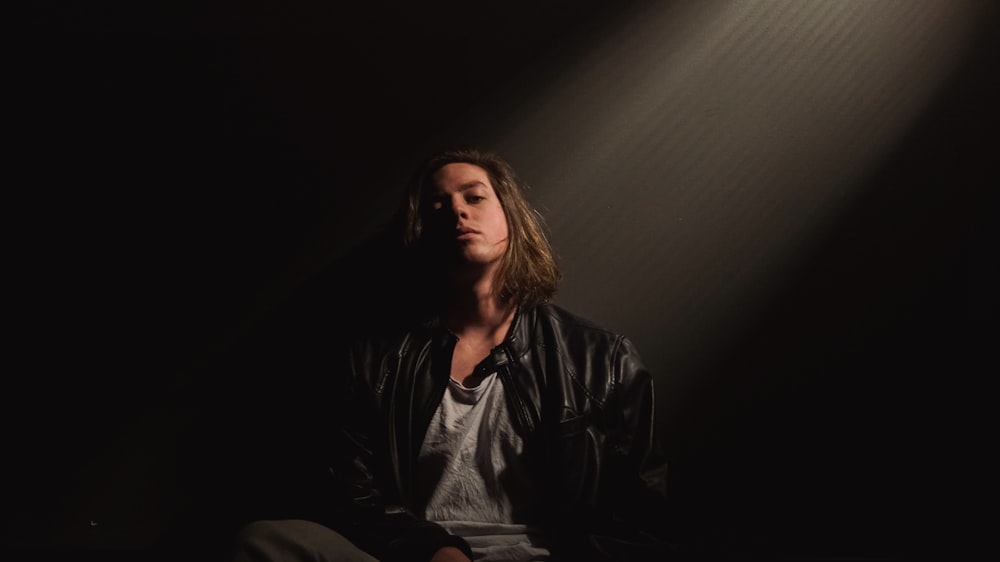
[460, 208]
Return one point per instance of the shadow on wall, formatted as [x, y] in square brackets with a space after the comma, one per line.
[259, 438]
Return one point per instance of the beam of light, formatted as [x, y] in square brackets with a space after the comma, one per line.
[687, 159]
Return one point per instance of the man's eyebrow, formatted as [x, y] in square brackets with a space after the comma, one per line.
[464, 187]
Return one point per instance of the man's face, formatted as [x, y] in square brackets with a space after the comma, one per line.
[467, 214]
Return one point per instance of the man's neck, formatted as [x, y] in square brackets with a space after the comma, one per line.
[480, 318]
[479, 311]
[478, 315]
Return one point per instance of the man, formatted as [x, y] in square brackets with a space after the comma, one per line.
[496, 426]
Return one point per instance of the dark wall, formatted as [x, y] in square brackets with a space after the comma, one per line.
[193, 179]
[845, 415]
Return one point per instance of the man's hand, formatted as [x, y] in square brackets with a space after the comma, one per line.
[449, 554]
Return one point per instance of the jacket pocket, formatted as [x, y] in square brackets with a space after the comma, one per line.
[571, 427]
[575, 449]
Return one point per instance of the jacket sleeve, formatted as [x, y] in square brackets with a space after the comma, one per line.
[367, 505]
[633, 485]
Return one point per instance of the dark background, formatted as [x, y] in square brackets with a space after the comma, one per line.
[189, 183]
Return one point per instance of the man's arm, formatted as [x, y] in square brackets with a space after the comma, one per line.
[635, 459]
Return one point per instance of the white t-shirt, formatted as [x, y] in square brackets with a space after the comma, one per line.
[473, 477]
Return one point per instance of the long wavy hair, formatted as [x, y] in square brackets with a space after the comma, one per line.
[528, 273]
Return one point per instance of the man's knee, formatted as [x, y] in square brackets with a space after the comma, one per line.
[294, 540]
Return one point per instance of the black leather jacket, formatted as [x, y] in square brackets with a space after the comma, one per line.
[579, 394]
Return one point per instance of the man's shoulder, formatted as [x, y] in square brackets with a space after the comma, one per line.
[595, 356]
[570, 330]
[569, 320]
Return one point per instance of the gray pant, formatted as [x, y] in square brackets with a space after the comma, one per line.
[294, 540]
